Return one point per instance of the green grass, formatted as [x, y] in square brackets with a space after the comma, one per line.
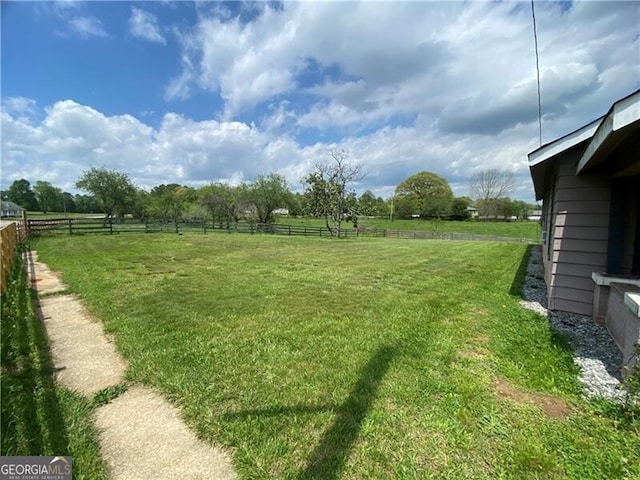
[527, 230]
[51, 215]
[38, 417]
[368, 358]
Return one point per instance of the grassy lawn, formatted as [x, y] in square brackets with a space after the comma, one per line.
[358, 359]
[528, 230]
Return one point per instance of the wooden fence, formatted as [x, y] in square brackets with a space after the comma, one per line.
[11, 234]
[83, 226]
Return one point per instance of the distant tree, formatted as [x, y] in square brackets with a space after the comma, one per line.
[87, 204]
[267, 193]
[68, 203]
[220, 201]
[327, 190]
[113, 189]
[521, 209]
[170, 202]
[298, 205]
[20, 193]
[459, 208]
[383, 207]
[487, 186]
[504, 207]
[367, 204]
[425, 194]
[3, 195]
[49, 197]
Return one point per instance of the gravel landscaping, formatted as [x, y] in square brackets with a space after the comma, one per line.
[593, 348]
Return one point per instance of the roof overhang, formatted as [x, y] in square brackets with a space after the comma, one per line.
[622, 121]
[540, 159]
[598, 139]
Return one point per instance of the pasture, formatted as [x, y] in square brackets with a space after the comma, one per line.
[363, 358]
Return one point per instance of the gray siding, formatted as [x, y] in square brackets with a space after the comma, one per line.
[631, 218]
[577, 245]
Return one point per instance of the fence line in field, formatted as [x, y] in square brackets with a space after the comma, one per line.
[82, 226]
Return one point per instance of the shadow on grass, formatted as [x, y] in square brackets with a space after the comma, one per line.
[521, 272]
[32, 422]
[329, 456]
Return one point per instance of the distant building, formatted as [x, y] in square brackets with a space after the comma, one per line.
[11, 210]
[535, 216]
[473, 212]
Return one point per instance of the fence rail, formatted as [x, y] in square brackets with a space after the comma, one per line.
[83, 226]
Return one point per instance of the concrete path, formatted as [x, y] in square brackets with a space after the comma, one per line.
[141, 435]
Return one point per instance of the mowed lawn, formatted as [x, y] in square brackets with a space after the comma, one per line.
[525, 230]
[351, 359]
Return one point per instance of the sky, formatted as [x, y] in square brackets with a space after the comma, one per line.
[193, 93]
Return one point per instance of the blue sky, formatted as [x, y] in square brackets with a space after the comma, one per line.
[211, 91]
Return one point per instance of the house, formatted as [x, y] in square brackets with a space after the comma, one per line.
[535, 216]
[10, 209]
[589, 182]
[473, 212]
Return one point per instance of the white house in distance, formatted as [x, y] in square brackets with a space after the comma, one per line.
[589, 182]
[11, 210]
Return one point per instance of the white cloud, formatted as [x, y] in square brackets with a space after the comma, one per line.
[471, 63]
[74, 137]
[448, 87]
[87, 26]
[143, 24]
[20, 107]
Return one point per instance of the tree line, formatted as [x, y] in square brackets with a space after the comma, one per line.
[328, 194]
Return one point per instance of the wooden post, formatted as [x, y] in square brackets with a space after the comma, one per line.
[70, 227]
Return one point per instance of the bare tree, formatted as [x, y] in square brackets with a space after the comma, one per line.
[327, 189]
[487, 186]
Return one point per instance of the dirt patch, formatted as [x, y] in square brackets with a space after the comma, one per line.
[143, 437]
[552, 406]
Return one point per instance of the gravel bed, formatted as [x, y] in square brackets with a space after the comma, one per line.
[594, 351]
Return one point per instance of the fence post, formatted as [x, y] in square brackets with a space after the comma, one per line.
[110, 226]
[70, 228]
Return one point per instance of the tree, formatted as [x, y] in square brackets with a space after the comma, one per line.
[521, 209]
[487, 186]
[20, 193]
[367, 204]
[170, 202]
[113, 189]
[327, 190]
[459, 208]
[220, 201]
[48, 196]
[425, 194]
[266, 193]
[87, 204]
[68, 203]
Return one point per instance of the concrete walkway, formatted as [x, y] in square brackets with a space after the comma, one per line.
[141, 435]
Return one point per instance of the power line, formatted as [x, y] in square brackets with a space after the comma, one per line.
[535, 40]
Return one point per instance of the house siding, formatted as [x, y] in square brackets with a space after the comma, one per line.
[577, 240]
[631, 219]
